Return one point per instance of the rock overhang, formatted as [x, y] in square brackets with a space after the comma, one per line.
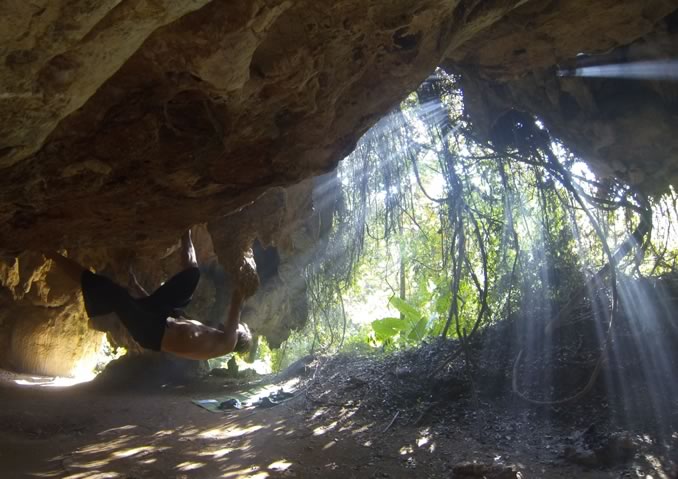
[126, 122]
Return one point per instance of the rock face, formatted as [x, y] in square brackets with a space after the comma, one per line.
[125, 122]
[621, 126]
[286, 226]
[137, 123]
[43, 328]
[122, 123]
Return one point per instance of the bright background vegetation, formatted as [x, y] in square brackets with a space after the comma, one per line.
[438, 234]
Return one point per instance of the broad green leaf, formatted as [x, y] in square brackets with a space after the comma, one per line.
[417, 333]
[388, 327]
[443, 302]
[409, 311]
[437, 327]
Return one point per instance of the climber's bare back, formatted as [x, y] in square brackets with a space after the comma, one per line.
[193, 340]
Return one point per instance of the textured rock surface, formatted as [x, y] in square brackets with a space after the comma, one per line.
[56, 55]
[622, 127]
[283, 219]
[43, 328]
[43, 325]
[203, 115]
[124, 122]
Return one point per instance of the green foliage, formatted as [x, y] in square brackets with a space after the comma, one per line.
[410, 328]
[408, 311]
[386, 329]
[459, 233]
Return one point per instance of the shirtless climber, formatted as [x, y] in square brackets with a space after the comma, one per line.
[155, 321]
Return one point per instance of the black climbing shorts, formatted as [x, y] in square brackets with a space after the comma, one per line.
[144, 318]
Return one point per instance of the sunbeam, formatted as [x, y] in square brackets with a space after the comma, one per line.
[643, 70]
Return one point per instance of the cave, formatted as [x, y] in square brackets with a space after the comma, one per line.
[126, 124]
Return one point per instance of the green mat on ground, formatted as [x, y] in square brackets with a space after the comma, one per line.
[212, 405]
[246, 398]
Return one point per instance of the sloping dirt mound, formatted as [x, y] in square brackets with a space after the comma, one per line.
[627, 418]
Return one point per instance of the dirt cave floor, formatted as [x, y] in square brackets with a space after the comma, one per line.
[339, 423]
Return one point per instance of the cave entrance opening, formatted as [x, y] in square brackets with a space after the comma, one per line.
[441, 231]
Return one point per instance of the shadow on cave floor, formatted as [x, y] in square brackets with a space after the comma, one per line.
[350, 417]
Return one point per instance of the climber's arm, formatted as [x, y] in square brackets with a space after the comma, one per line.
[134, 286]
[232, 320]
[189, 258]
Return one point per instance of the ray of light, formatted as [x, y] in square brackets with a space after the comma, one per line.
[643, 70]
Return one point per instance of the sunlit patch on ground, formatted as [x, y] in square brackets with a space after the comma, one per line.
[134, 451]
[320, 430]
[281, 465]
[189, 466]
[259, 393]
[246, 473]
[51, 381]
[251, 444]
[229, 432]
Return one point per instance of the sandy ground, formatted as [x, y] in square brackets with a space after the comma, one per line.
[84, 431]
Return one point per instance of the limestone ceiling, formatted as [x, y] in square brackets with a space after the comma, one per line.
[125, 121]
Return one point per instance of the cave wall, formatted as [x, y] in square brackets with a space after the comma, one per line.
[43, 328]
[122, 123]
[622, 127]
[125, 122]
[286, 219]
[204, 114]
[282, 219]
